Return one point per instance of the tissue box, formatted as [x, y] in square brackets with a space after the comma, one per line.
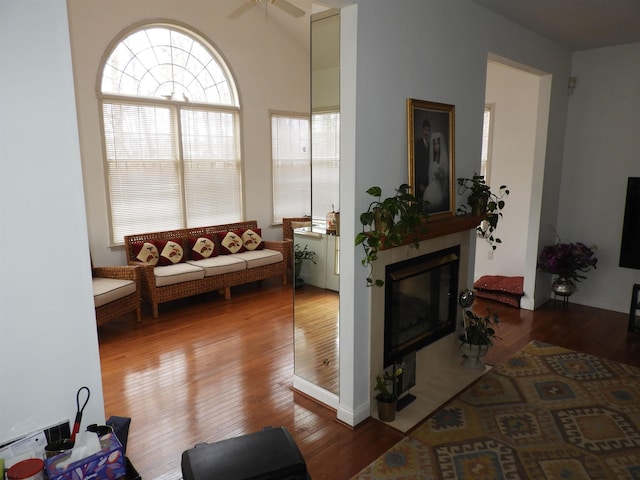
[107, 464]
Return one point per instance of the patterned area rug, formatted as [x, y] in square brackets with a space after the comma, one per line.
[545, 413]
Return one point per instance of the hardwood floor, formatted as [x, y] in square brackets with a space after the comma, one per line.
[316, 337]
[208, 370]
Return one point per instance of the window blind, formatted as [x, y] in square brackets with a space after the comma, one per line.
[291, 166]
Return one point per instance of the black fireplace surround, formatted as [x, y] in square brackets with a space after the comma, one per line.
[420, 302]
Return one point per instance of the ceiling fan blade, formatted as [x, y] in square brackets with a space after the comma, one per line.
[243, 8]
[288, 7]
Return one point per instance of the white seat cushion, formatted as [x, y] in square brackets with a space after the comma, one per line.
[220, 264]
[178, 273]
[106, 290]
[258, 258]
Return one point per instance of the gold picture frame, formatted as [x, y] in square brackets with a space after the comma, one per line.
[431, 147]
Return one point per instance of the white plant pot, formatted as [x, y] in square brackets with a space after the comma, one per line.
[473, 356]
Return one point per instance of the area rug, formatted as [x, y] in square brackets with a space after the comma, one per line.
[545, 413]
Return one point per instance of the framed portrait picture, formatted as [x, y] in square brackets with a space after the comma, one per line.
[431, 145]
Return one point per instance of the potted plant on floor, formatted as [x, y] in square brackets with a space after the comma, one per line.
[300, 255]
[568, 261]
[390, 222]
[482, 201]
[386, 397]
[479, 334]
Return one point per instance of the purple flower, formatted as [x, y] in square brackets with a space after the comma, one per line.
[567, 260]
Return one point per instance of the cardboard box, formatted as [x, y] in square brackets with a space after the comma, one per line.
[107, 464]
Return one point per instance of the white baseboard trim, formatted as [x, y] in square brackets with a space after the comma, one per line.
[320, 394]
[354, 417]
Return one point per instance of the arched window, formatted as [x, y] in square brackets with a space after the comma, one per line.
[171, 133]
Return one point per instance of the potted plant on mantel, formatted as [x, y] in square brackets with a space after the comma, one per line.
[390, 222]
[479, 334]
[482, 201]
[387, 398]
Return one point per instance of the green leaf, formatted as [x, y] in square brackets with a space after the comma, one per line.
[367, 218]
[375, 191]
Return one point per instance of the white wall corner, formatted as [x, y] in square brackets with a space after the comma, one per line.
[354, 417]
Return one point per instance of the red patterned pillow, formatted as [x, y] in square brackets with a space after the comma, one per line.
[252, 239]
[171, 252]
[202, 247]
[231, 242]
[146, 252]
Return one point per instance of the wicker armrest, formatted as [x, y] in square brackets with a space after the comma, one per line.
[118, 272]
[146, 270]
[279, 245]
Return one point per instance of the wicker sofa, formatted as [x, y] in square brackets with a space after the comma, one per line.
[201, 270]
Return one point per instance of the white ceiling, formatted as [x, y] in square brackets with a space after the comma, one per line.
[575, 24]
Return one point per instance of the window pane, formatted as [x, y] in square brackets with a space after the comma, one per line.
[212, 167]
[168, 63]
[486, 142]
[171, 165]
[143, 169]
[325, 164]
[291, 167]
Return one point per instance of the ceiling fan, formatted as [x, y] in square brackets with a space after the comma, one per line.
[285, 5]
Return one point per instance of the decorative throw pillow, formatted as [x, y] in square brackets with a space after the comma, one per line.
[146, 252]
[231, 242]
[170, 252]
[252, 240]
[202, 247]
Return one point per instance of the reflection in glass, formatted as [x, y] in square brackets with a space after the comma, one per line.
[316, 297]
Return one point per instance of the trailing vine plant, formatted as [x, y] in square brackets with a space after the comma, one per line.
[390, 222]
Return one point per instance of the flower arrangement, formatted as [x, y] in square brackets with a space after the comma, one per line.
[384, 381]
[568, 260]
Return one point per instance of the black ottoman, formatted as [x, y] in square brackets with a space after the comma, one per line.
[270, 454]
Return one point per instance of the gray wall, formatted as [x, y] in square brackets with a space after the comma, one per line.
[48, 344]
[434, 51]
[601, 152]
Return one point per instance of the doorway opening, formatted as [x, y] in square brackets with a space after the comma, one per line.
[519, 97]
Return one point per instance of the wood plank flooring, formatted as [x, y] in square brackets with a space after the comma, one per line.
[209, 369]
[316, 316]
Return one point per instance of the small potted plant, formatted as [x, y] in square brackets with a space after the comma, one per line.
[386, 397]
[300, 255]
[479, 334]
[482, 201]
[390, 222]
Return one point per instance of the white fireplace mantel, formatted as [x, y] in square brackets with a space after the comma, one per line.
[439, 374]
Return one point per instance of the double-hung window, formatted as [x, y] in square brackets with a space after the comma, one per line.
[291, 166]
[171, 119]
[325, 163]
[306, 164]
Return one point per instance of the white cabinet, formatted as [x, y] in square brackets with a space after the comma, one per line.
[325, 273]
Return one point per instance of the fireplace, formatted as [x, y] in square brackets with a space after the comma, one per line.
[420, 302]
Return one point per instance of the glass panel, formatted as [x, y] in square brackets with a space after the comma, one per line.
[316, 296]
[291, 167]
[165, 62]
